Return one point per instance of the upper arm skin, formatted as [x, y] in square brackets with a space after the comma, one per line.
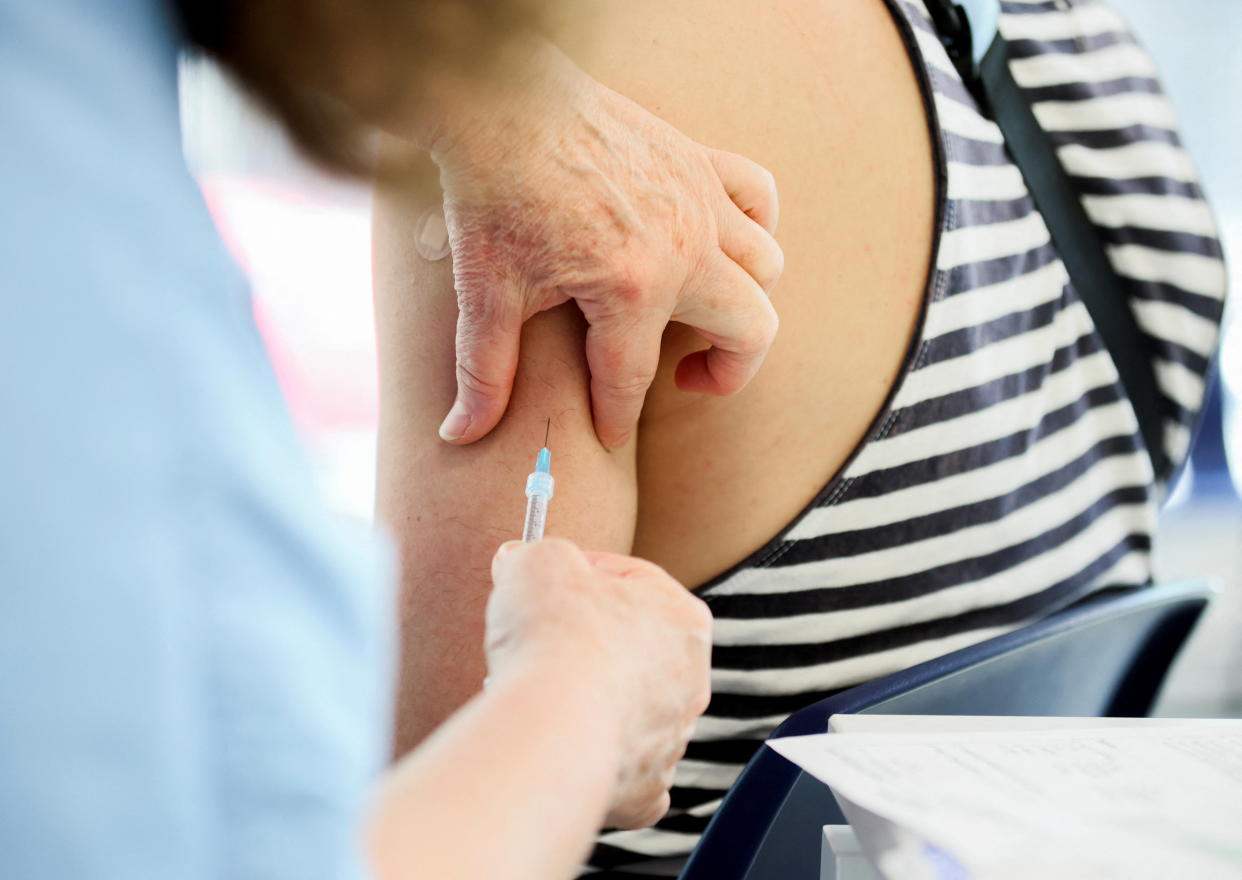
[450, 507]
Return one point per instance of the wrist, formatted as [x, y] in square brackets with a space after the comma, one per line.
[581, 686]
[535, 759]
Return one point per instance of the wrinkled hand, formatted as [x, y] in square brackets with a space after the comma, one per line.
[565, 190]
[623, 619]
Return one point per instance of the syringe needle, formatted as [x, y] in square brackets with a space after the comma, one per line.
[546, 432]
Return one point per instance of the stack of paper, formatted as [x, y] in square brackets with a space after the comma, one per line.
[1155, 800]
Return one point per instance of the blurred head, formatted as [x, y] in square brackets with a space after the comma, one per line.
[373, 57]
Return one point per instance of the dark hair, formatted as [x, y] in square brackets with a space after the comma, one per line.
[376, 56]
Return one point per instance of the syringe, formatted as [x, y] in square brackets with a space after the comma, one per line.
[539, 487]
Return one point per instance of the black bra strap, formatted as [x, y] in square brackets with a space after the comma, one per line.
[1077, 239]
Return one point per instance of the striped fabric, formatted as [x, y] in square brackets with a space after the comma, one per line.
[1006, 478]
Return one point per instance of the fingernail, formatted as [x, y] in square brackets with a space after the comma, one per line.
[456, 423]
[507, 546]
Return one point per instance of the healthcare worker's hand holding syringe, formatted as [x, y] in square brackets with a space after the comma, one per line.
[609, 649]
[614, 650]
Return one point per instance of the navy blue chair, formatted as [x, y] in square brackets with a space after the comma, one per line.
[1104, 657]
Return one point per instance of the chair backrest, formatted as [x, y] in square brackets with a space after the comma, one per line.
[1105, 657]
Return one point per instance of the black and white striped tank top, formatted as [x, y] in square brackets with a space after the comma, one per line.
[1006, 478]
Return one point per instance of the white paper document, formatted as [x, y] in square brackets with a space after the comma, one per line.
[1100, 803]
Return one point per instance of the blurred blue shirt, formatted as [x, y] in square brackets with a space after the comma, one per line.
[194, 659]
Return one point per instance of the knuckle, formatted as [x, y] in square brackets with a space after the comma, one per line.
[753, 342]
[653, 810]
[759, 173]
[769, 181]
[628, 384]
[704, 700]
[472, 379]
[640, 283]
[645, 569]
[656, 578]
[771, 324]
[702, 619]
[766, 276]
[631, 281]
[620, 364]
[774, 266]
[761, 332]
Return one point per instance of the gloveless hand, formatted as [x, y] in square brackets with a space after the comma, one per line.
[558, 188]
[644, 640]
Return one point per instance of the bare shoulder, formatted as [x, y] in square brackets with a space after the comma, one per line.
[824, 95]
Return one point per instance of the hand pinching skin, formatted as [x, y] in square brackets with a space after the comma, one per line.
[567, 190]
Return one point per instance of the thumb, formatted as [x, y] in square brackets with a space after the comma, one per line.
[489, 328]
[506, 555]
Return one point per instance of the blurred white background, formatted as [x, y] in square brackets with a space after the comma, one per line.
[1195, 43]
[303, 237]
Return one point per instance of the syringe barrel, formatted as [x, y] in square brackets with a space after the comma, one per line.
[539, 487]
[536, 517]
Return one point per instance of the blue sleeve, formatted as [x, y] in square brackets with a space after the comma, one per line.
[194, 658]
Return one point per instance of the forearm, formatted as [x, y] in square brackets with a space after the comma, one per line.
[514, 786]
[470, 113]
[432, 79]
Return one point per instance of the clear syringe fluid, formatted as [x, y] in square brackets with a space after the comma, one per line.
[539, 486]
